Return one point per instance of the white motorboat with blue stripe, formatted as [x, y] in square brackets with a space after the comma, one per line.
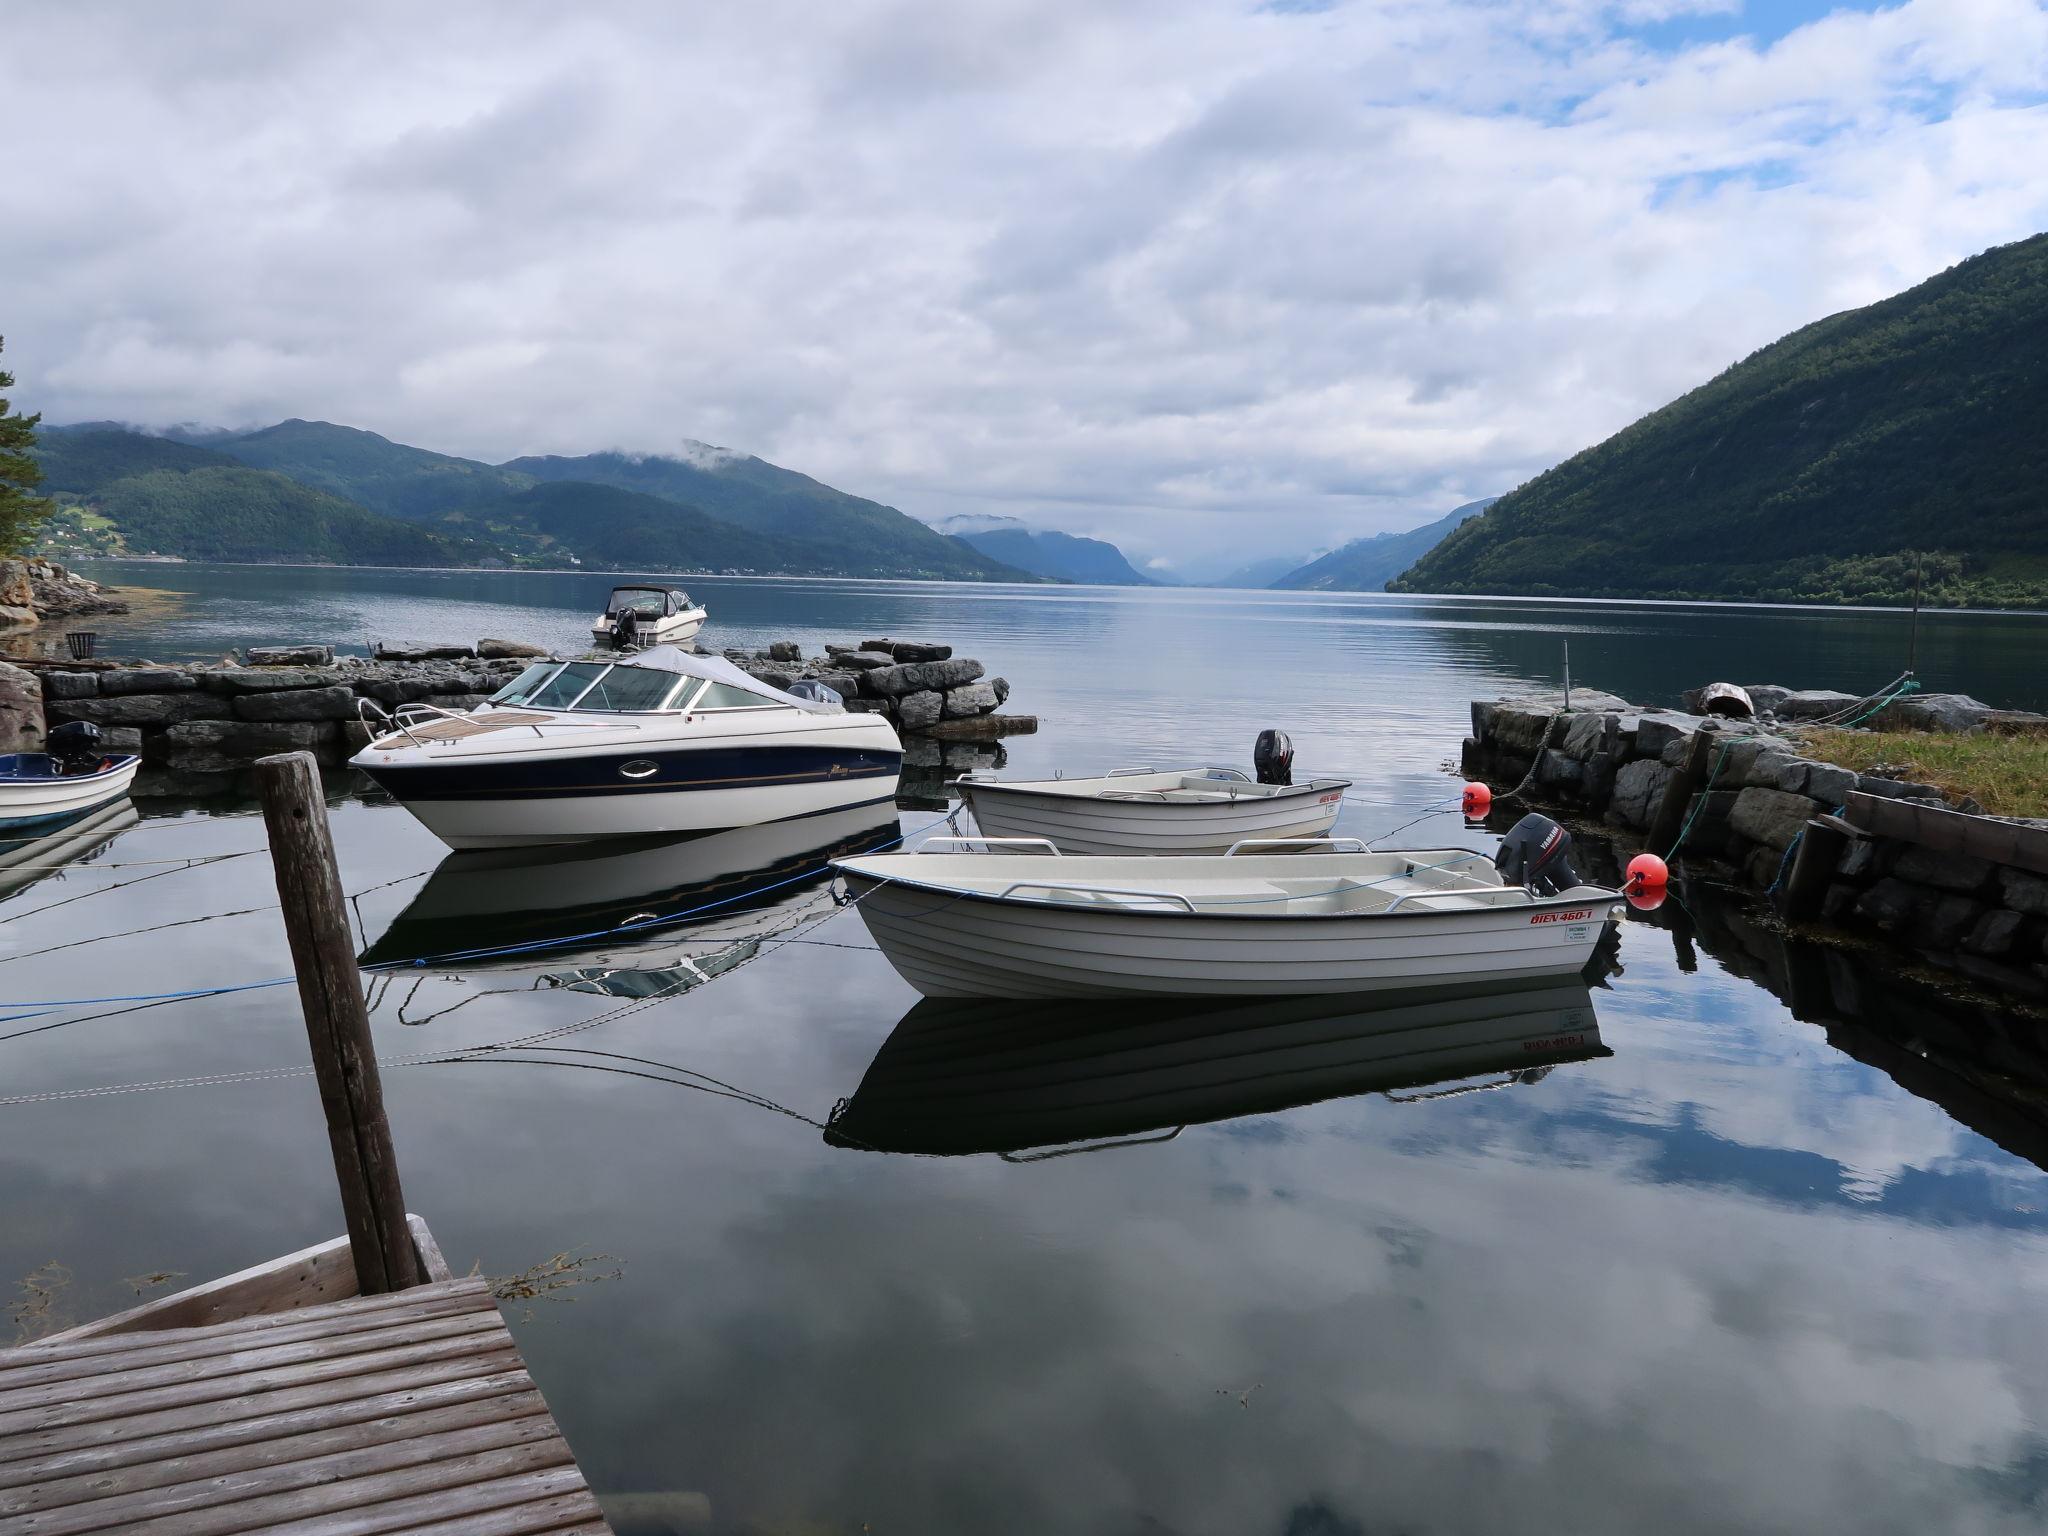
[646, 745]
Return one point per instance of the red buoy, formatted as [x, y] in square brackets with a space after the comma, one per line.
[1647, 877]
[1478, 800]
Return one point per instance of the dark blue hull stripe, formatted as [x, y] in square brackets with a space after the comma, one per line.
[673, 773]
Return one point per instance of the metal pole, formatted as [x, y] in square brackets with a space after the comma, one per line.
[1567, 675]
[337, 1023]
[1913, 638]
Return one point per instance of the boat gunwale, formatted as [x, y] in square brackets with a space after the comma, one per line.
[1601, 897]
[119, 762]
[1042, 789]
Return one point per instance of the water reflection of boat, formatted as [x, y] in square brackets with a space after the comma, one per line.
[959, 1077]
[537, 906]
[88, 834]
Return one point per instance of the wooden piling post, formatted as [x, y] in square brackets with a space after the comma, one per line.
[1813, 867]
[337, 1023]
[1688, 781]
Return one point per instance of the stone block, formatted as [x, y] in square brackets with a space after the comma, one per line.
[985, 728]
[1829, 784]
[1586, 734]
[142, 709]
[1656, 732]
[1934, 712]
[1944, 871]
[1770, 816]
[1812, 704]
[122, 738]
[207, 745]
[2024, 892]
[1948, 918]
[1996, 933]
[923, 752]
[1519, 728]
[918, 710]
[266, 679]
[973, 699]
[866, 706]
[1840, 898]
[124, 680]
[1638, 791]
[1710, 826]
[355, 736]
[71, 685]
[1762, 866]
[2031, 982]
[863, 661]
[1891, 905]
[923, 676]
[885, 646]
[1859, 860]
[1002, 688]
[845, 684]
[1743, 753]
[429, 651]
[1597, 783]
[1766, 770]
[1558, 770]
[22, 723]
[502, 650]
[785, 650]
[911, 650]
[335, 703]
[289, 655]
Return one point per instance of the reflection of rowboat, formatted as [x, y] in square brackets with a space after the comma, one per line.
[1137, 810]
[956, 1078]
[1266, 925]
[544, 904]
[25, 860]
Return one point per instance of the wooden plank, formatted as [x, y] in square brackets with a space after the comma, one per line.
[462, 1508]
[337, 1023]
[561, 1515]
[138, 1350]
[370, 1504]
[322, 1273]
[323, 1349]
[432, 1266]
[176, 1461]
[191, 1441]
[332, 1478]
[1948, 831]
[59, 1413]
[249, 1412]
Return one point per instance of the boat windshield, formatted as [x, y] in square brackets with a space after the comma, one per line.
[591, 685]
[646, 602]
[521, 688]
[629, 688]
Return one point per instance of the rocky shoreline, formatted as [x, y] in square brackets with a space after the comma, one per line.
[34, 590]
[1893, 860]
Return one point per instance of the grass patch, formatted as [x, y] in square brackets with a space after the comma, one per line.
[2007, 775]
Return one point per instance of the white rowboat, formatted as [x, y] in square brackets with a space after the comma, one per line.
[1007, 924]
[1142, 810]
[35, 787]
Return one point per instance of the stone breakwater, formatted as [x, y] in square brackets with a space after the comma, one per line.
[1893, 859]
[197, 725]
[34, 589]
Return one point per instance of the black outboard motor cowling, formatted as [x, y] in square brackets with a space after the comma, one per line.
[76, 748]
[1273, 757]
[1537, 854]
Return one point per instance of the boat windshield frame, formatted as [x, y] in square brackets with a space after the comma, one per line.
[677, 700]
[673, 600]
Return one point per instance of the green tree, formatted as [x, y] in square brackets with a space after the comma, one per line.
[20, 512]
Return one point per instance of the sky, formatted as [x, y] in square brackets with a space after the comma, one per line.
[1213, 280]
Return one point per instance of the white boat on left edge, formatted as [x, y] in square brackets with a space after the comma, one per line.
[73, 775]
[651, 744]
[1014, 925]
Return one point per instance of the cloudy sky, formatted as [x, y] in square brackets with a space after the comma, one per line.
[1201, 276]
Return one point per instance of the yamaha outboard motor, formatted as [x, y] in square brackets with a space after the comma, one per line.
[1273, 757]
[626, 630]
[76, 748]
[1537, 854]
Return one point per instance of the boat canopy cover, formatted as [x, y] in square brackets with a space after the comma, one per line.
[673, 658]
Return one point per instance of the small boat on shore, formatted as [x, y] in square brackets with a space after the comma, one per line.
[636, 616]
[653, 744]
[956, 1078]
[73, 775]
[1019, 925]
[1152, 811]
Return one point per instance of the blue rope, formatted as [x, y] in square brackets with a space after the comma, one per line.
[152, 997]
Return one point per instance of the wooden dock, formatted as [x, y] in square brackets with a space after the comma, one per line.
[277, 1400]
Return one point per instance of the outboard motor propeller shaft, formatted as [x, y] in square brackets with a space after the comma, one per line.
[1273, 757]
[1537, 855]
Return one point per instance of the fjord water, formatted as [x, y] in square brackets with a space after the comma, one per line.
[1718, 1268]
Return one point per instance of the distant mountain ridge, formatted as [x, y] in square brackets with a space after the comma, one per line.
[1045, 552]
[1814, 470]
[1368, 565]
[312, 490]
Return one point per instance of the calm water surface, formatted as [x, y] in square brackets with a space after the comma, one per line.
[1762, 1249]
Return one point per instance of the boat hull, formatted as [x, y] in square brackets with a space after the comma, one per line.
[953, 944]
[30, 799]
[1077, 824]
[678, 629]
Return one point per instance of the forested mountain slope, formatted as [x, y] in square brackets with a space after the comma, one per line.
[1367, 565]
[1812, 470]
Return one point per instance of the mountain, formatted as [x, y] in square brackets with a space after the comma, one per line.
[1059, 556]
[369, 470]
[1258, 573]
[216, 513]
[1370, 565]
[858, 536]
[1814, 469]
[604, 526]
[119, 489]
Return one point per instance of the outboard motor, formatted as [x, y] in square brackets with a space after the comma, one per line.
[76, 748]
[626, 630]
[1273, 757]
[1537, 854]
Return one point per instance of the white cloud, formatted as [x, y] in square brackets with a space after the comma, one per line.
[1194, 277]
